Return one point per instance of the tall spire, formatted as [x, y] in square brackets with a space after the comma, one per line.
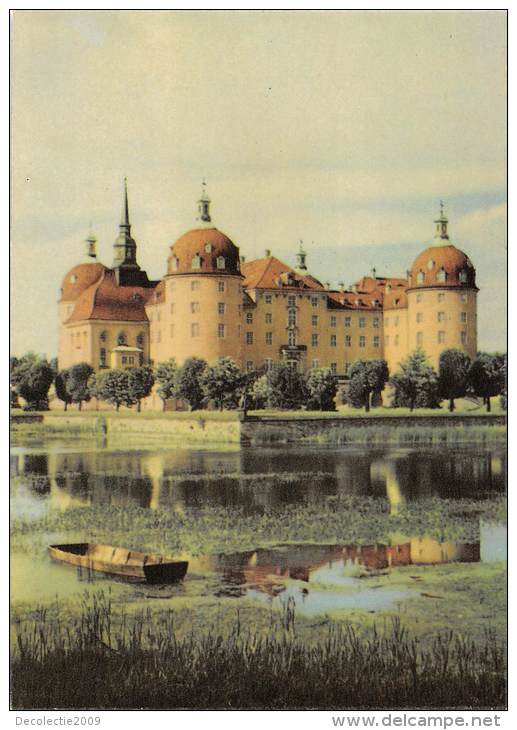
[203, 205]
[125, 246]
[441, 226]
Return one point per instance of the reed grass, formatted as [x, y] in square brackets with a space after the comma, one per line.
[102, 659]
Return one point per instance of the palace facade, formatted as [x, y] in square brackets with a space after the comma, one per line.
[212, 303]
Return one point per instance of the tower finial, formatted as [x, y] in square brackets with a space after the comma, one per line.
[301, 256]
[203, 205]
[91, 243]
[441, 224]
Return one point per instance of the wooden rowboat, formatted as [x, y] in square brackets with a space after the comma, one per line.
[121, 562]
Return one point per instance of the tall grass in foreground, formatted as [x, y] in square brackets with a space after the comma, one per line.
[102, 660]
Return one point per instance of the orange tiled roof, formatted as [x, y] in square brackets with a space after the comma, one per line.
[80, 278]
[194, 242]
[267, 273]
[105, 300]
[450, 259]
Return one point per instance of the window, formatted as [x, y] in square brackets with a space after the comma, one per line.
[463, 317]
[348, 321]
[269, 317]
[348, 341]
[314, 320]
[314, 301]
[464, 297]
[419, 316]
[249, 338]
[291, 317]
[220, 307]
[419, 339]
[196, 262]
[291, 338]
[362, 322]
[268, 298]
[172, 330]
[441, 275]
[463, 337]
[419, 298]
[362, 341]
[315, 364]
[174, 263]
[249, 317]
[376, 341]
[249, 365]
[194, 329]
[420, 277]
[333, 367]
[269, 338]
[386, 340]
[220, 286]
[314, 340]
[430, 264]
[387, 321]
[376, 322]
[268, 362]
[102, 357]
[441, 296]
[220, 329]
[396, 321]
[208, 247]
[463, 276]
[194, 285]
[140, 339]
[396, 341]
[333, 340]
[194, 307]
[124, 360]
[333, 321]
[103, 337]
[441, 337]
[221, 263]
[441, 316]
[291, 300]
[122, 339]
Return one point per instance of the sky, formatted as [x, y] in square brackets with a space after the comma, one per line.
[341, 129]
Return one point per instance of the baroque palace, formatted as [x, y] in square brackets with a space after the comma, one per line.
[212, 303]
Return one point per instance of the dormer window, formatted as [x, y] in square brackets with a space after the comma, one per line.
[136, 297]
[196, 261]
[463, 276]
[420, 277]
[221, 263]
[430, 264]
[73, 279]
[441, 275]
[208, 247]
[174, 263]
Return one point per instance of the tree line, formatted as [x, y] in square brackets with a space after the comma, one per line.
[224, 385]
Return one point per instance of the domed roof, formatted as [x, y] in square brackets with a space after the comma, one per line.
[204, 250]
[80, 278]
[442, 266]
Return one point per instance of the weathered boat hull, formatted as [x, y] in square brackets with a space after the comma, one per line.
[120, 562]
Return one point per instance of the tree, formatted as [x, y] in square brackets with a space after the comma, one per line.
[113, 387]
[60, 384]
[486, 376]
[77, 383]
[32, 378]
[261, 392]
[166, 379]
[453, 368]
[222, 382]
[188, 382]
[140, 383]
[504, 392]
[367, 377]
[287, 388]
[416, 383]
[321, 387]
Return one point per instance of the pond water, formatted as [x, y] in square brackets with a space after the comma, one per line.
[58, 474]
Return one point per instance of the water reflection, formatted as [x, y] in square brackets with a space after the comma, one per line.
[253, 479]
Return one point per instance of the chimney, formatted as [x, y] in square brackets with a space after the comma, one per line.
[354, 288]
[267, 252]
[243, 259]
[374, 273]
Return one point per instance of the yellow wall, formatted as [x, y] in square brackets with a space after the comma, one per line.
[81, 341]
[395, 337]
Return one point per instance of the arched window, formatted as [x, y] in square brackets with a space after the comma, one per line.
[122, 338]
[430, 264]
[103, 337]
[420, 277]
[291, 338]
[102, 357]
[174, 263]
[196, 261]
[221, 263]
[441, 275]
[140, 339]
[463, 276]
[208, 247]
